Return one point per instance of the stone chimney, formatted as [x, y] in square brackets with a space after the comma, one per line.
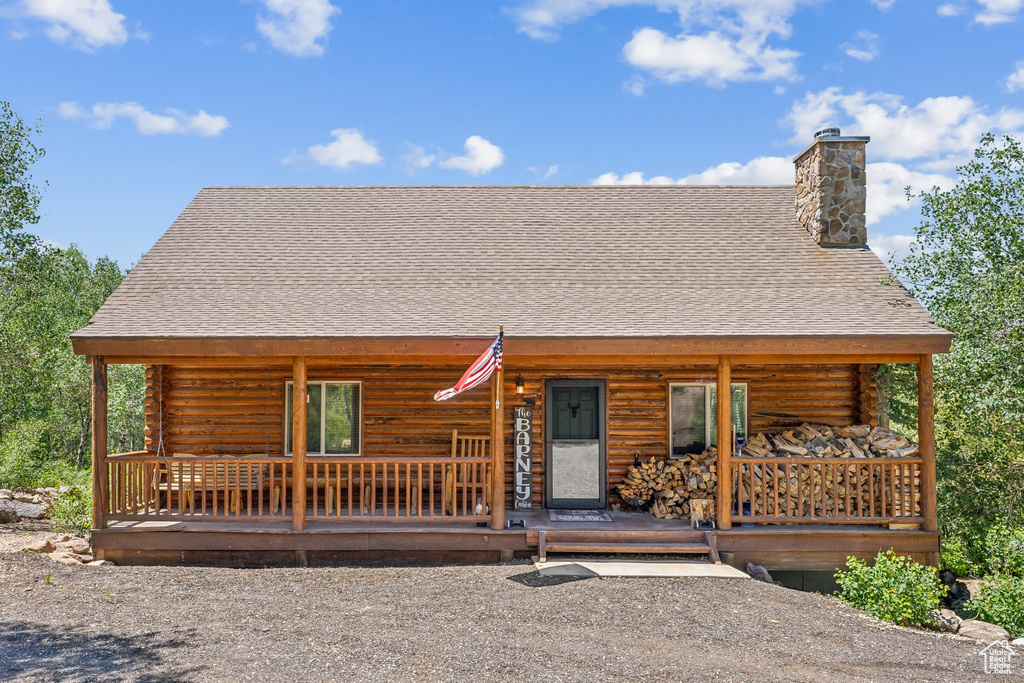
[831, 189]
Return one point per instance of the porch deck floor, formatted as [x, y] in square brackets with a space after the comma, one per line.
[536, 520]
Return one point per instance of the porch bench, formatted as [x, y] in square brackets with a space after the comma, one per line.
[230, 480]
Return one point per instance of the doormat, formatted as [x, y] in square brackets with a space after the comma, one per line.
[578, 516]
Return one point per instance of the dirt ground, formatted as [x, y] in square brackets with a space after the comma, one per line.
[477, 623]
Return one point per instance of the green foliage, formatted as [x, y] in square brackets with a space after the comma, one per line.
[1004, 546]
[72, 511]
[19, 465]
[967, 268]
[895, 588]
[1001, 602]
[46, 293]
[19, 197]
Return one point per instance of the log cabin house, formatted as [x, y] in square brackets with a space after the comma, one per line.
[636, 320]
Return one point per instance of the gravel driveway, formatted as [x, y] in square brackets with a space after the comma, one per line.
[479, 623]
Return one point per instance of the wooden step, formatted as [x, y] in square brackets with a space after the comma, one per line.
[557, 545]
[619, 536]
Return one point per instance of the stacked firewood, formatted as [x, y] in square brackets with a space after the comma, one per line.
[817, 483]
[826, 488]
[822, 441]
[665, 487]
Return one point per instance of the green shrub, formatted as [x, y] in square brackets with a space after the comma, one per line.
[19, 464]
[1001, 602]
[1005, 548]
[72, 511]
[957, 555]
[895, 588]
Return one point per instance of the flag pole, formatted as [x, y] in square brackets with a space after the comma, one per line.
[498, 445]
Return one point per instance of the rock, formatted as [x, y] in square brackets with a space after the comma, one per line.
[26, 497]
[6, 494]
[13, 510]
[982, 630]
[79, 546]
[84, 558]
[759, 573]
[65, 538]
[943, 620]
[66, 558]
[100, 563]
[44, 546]
[1019, 641]
[64, 489]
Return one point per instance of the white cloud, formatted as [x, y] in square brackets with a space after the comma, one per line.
[998, 11]
[552, 170]
[417, 158]
[715, 57]
[1015, 81]
[759, 171]
[949, 10]
[896, 246]
[349, 147]
[83, 24]
[297, 27]
[887, 183]
[720, 40]
[883, 4]
[103, 114]
[939, 129]
[635, 85]
[865, 48]
[481, 157]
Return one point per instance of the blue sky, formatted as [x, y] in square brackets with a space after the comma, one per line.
[144, 102]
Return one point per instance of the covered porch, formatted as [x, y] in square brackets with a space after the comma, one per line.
[409, 486]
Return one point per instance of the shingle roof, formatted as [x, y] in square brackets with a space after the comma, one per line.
[445, 261]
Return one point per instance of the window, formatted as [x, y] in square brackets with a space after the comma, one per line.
[332, 418]
[693, 415]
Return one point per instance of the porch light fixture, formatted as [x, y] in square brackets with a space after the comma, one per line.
[520, 384]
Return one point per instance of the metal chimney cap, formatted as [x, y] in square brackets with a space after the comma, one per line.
[832, 132]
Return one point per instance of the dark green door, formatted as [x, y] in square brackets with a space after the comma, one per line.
[575, 444]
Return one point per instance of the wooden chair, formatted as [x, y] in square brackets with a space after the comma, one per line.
[457, 475]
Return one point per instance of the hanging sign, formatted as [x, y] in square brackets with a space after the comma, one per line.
[522, 433]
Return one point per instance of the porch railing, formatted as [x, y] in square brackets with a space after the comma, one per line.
[142, 486]
[239, 489]
[827, 490]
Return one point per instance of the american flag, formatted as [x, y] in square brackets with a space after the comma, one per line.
[478, 373]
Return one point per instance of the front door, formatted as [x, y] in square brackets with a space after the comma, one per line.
[575, 448]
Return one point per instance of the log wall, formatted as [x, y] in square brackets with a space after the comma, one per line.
[240, 411]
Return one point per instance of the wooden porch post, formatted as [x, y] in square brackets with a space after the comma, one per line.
[299, 443]
[926, 442]
[498, 449]
[99, 443]
[724, 443]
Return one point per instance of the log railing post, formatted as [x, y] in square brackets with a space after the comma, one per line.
[926, 442]
[100, 484]
[724, 445]
[299, 409]
[498, 450]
